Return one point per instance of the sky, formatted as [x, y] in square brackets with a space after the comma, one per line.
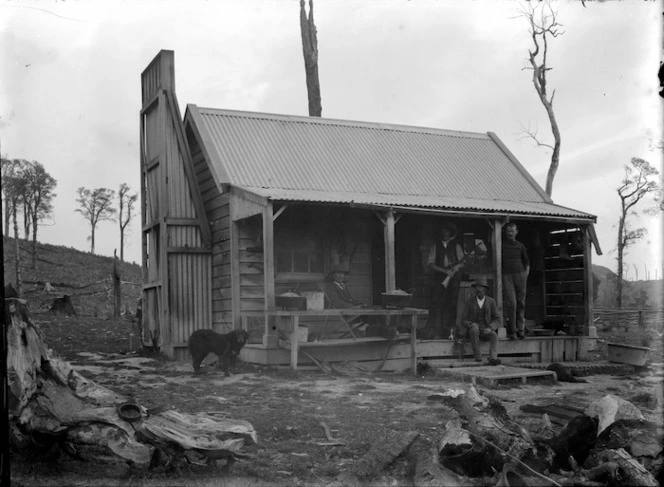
[70, 88]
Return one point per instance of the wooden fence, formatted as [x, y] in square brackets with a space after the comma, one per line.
[630, 317]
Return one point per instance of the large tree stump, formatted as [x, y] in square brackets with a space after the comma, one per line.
[54, 408]
[63, 305]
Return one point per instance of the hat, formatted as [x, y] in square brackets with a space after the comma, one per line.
[481, 281]
[339, 268]
[449, 226]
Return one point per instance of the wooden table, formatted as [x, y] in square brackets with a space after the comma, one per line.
[295, 316]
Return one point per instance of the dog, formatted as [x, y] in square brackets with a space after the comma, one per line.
[226, 346]
[564, 374]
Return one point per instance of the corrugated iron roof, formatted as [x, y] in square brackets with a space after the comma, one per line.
[318, 159]
[424, 202]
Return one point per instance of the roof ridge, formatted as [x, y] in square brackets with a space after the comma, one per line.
[342, 122]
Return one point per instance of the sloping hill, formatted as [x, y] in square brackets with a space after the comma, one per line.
[636, 294]
[83, 276]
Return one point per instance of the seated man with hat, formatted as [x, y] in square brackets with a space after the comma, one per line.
[480, 320]
[339, 297]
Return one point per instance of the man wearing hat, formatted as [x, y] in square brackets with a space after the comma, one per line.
[445, 260]
[337, 291]
[480, 321]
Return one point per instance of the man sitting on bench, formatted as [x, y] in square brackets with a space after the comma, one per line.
[480, 320]
[339, 297]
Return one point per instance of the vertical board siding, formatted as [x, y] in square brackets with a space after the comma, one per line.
[189, 294]
[184, 236]
[180, 199]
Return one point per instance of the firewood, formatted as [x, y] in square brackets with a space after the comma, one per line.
[484, 419]
[53, 406]
[629, 472]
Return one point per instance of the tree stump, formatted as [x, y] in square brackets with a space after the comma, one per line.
[63, 305]
[53, 408]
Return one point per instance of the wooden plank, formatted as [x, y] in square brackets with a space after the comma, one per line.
[413, 345]
[188, 250]
[268, 255]
[241, 207]
[390, 258]
[557, 350]
[588, 284]
[295, 343]
[497, 241]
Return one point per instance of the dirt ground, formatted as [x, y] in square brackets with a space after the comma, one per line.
[286, 409]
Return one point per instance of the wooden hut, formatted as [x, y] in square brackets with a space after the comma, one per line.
[239, 208]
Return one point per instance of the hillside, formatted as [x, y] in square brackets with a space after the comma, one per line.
[87, 279]
[83, 276]
[636, 294]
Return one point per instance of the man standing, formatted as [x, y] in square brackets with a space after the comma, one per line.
[445, 260]
[480, 320]
[516, 267]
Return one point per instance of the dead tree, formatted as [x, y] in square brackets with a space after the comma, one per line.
[310, 52]
[126, 202]
[639, 180]
[542, 29]
[52, 408]
[117, 288]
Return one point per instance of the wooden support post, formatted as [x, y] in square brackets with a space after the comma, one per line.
[390, 258]
[413, 343]
[295, 343]
[587, 282]
[268, 264]
[498, 266]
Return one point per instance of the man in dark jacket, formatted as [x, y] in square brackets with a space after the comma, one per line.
[480, 320]
[516, 267]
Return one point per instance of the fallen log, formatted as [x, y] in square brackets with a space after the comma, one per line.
[424, 465]
[53, 408]
[490, 432]
[627, 470]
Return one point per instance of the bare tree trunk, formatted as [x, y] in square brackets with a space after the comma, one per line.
[121, 244]
[26, 222]
[34, 243]
[555, 157]
[7, 216]
[19, 284]
[310, 52]
[92, 240]
[117, 291]
[621, 248]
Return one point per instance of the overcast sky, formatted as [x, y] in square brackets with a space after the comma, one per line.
[70, 87]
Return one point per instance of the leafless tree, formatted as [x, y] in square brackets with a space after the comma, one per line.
[544, 26]
[13, 187]
[127, 202]
[39, 186]
[96, 206]
[640, 180]
[310, 52]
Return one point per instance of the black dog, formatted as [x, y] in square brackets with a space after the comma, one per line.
[227, 347]
[564, 374]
